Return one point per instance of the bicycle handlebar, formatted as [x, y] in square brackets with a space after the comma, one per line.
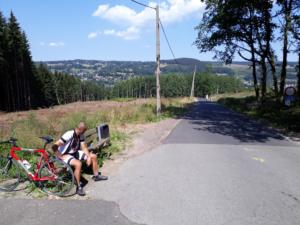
[13, 141]
[10, 141]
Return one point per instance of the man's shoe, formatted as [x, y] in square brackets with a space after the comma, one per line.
[99, 177]
[80, 191]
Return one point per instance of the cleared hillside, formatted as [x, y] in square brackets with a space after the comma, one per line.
[27, 126]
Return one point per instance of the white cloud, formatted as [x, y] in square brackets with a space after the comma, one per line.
[130, 33]
[56, 44]
[109, 32]
[171, 11]
[52, 44]
[101, 9]
[93, 35]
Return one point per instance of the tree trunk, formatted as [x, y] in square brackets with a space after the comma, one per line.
[287, 5]
[273, 69]
[263, 78]
[255, 83]
[298, 76]
[284, 60]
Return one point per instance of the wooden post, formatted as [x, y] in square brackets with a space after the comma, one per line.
[193, 84]
[158, 100]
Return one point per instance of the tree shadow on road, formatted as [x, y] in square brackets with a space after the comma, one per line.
[214, 118]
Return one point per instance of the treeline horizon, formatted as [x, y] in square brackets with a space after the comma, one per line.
[249, 29]
[176, 85]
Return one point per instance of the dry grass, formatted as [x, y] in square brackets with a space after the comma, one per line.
[27, 126]
[233, 95]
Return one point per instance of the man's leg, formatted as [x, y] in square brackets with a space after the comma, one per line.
[94, 164]
[72, 161]
[92, 161]
[97, 176]
[77, 169]
[77, 172]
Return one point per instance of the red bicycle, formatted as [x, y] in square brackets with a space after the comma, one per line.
[52, 175]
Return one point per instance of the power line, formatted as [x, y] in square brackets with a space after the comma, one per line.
[162, 27]
[169, 45]
[142, 4]
[165, 35]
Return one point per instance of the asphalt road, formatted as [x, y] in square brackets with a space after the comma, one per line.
[210, 123]
[215, 168]
[60, 212]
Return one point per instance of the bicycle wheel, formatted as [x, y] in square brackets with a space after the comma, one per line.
[9, 174]
[59, 177]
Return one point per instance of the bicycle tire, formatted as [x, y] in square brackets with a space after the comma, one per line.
[9, 174]
[64, 177]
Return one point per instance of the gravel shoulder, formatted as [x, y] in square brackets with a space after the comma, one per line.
[146, 137]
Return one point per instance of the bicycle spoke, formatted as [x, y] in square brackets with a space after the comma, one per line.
[63, 177]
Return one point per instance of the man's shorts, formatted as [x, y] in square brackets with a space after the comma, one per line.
[80, 155]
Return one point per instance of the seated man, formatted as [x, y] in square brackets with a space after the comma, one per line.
[72, 149]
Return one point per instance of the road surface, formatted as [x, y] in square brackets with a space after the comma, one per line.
[216, 167]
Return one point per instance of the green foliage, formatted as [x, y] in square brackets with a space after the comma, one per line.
[249, 29]
[176, 86]
[119, 141]
[283, 117]
[16, 71]
[59, 88]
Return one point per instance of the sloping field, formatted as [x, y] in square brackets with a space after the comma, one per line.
[27, 126]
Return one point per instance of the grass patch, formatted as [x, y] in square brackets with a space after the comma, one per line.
[280, 116]
[55, 121]
[123, 99]
[119, 141]
[243, 94]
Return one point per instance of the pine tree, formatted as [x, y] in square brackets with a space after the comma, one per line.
[15, 60]
[29, 79]
[3, 64]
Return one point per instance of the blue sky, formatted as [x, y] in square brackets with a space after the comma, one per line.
[106, 29]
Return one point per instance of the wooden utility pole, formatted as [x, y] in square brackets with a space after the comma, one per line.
[193, 84]
[158, 100]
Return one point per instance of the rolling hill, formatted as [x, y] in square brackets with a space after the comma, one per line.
[109, 72]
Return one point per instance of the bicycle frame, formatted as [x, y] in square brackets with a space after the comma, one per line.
[44, 157]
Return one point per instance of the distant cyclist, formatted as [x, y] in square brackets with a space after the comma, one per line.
[72, 149]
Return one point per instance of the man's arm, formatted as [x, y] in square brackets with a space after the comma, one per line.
[87, 152]
[85, 148]
[62, 141]
[55, 147]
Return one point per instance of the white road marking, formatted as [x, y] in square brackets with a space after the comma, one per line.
[258, 159]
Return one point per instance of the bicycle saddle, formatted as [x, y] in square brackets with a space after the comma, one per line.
[47, 139]
[13, 139]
